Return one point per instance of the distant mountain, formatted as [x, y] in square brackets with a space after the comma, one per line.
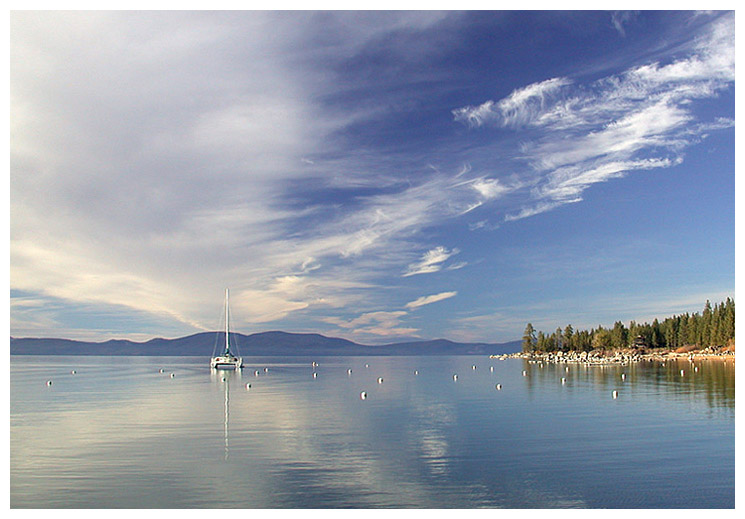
[266, 343]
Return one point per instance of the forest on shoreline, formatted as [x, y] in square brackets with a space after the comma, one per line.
[713, 327]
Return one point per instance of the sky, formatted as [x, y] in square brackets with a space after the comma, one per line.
[377, 176]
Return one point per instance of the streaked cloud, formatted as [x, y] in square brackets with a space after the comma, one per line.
[520, 108]
[428, 300]
[640, 119]
[311, 162]
[431, 261]
[381, 324]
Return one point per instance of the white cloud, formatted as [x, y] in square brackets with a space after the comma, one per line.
[640, 119]
[153, 156]
[384, 324]
[427, 300]
[620, 18]
[489, 188]
[520, 108]
[431, 261]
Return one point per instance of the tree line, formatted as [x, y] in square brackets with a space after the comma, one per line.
[714, 326]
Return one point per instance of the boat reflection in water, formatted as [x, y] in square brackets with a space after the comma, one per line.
[224, 378]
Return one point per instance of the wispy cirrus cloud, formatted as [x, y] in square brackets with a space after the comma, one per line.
[431, 261]
[380, 324]
[639, 119]
[619, 19]
[520, 108]
[428, 300]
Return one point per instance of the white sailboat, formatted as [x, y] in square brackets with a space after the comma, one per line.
[226, 360]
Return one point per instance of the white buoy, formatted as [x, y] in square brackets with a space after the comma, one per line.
[525, 373]
[682, 373]
[162, 370]
[491, 368]
[695, 368]
[224, 379]
[455, 377]
[623, 376]
[563, 380]
[499, 387]
[73, 372]
[473, 367]
[416, 372]
[266, 370]
[566, 369]
[615, 394]
[49, 382]
[314, 364]
[315, 375]
[380, 380]
[363, 395]
[173, 375]
[349, 371]
[367, 365]
[248, 386]
[256, 373]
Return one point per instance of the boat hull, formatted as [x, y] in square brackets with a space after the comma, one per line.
[223, 363]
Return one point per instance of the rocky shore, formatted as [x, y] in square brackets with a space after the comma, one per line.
[618, 356]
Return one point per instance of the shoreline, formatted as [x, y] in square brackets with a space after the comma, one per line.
[615, 357]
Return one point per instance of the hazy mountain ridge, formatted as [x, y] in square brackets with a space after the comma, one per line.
[264, 343]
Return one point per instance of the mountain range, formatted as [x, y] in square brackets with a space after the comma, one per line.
[265, 343]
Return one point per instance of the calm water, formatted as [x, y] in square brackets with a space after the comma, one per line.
[119, 433]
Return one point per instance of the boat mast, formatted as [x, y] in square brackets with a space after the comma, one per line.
[227, 319]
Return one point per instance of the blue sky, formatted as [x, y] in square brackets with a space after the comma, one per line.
[376, 176]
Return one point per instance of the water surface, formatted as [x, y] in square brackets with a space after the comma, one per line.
[120, 434]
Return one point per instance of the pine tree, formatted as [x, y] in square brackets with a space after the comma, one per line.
[569, 339]
[529, 339]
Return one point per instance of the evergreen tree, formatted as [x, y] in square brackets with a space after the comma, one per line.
[714, 326]
[619, 335]
[529, 338]
[569, 340]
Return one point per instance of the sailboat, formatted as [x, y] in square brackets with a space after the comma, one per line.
[226, 360]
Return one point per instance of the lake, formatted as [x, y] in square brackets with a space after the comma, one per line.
[118, 433]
